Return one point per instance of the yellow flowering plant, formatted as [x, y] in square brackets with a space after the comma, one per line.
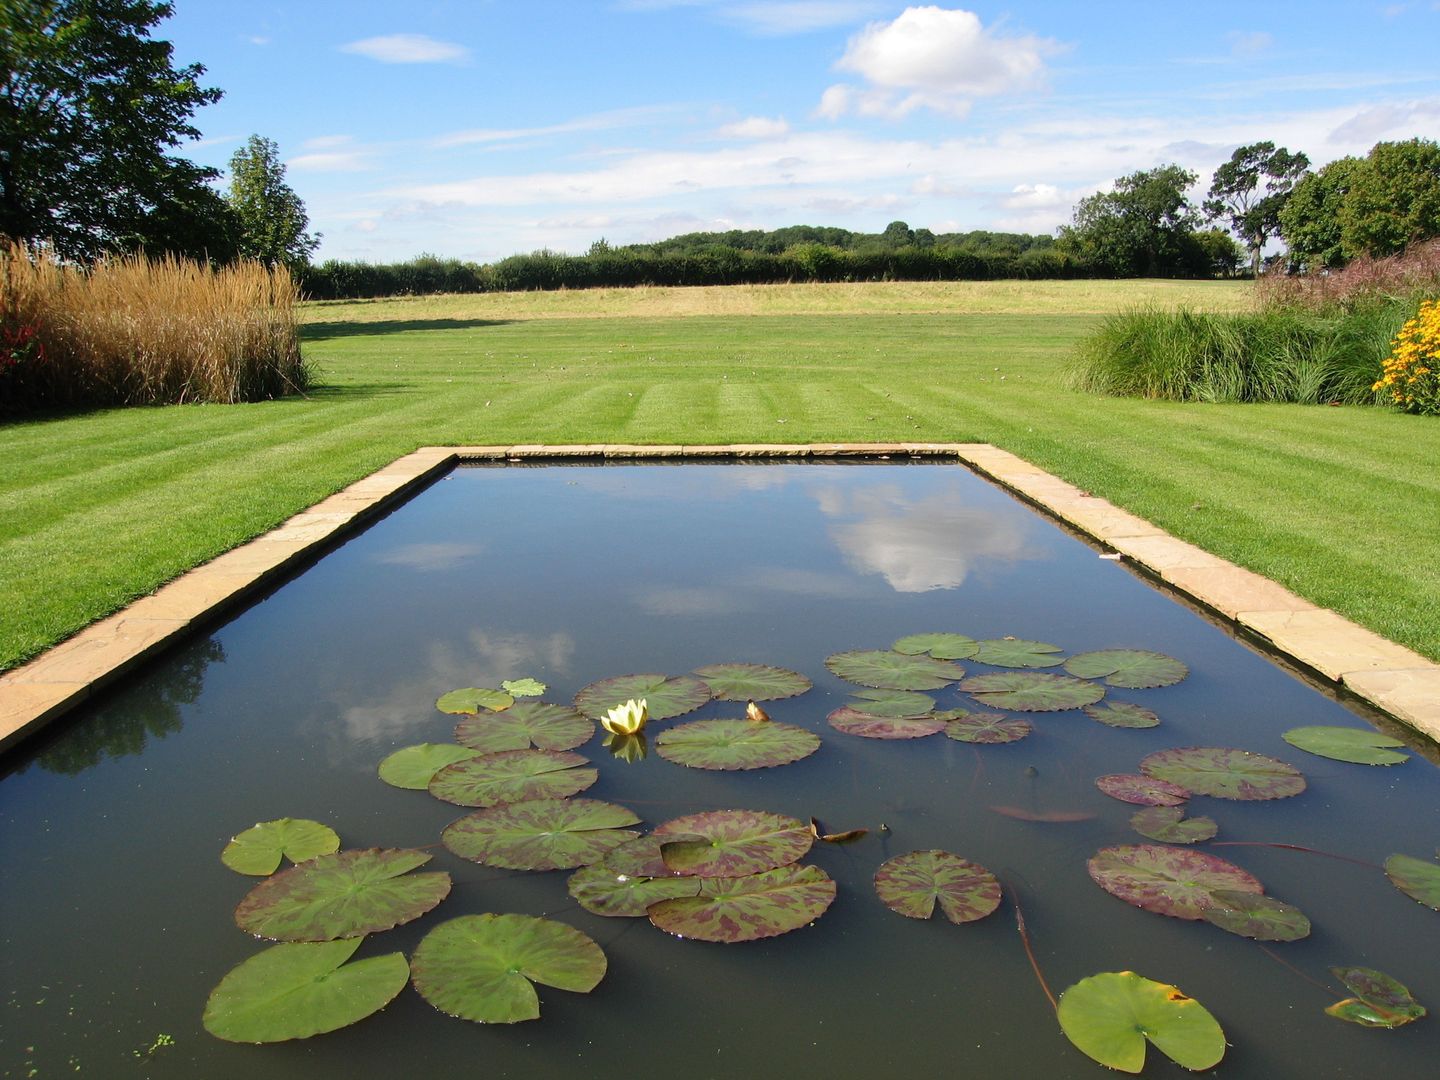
[1411, 374]
[626, 719]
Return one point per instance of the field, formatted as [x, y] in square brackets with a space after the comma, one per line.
[1335, 503]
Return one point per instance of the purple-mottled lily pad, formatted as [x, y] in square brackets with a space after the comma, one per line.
[483, 967]
[1110, 1016]
[1225, 773]
[847, 720]
[1134, 669]
[523, 725]
[1031, 691]
[512, 776]
[259, 849]
[641, 857]
[1379, 1001]
[1255, 915]
[347, 894]
[1167, 880]
[735, 909]
[411, 767]
[541, 834]
[735, 744]
[752, 682]
[1018, 653]
[472, 699]
[1169, 825]
[602, 891]
[940, 646]
[664, 697]
[885, 669]
[1361, 746]
[989, 728]
[1418, 879]
[732, 843]
[1142, 790]
[911, 884]
[1122, 714]
[892, 703]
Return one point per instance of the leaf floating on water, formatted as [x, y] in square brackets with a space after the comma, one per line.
[850, 722]
[1027, 691]
[1110, 1016]
[1380, 1001]
[912, 884]
[641, 857]
[758, 682]
[891, 703]
[1225, 773]
[664, 697]
[885, 669]
[940, 646]
[732, 843]
[1418, 879]
[987, 728]
[1054, 817]
[1255, 915]
[472, 699]
[1167, 880]
[1122, 714]
[848, 837]
[523, 687]
[526, 724]
[1134, 669]
[1142, 790]
[411, 767]
[259, 849]
[541, 834]
[1169, 825]
[1362, 746]
[602, 891]
[1018, 653]
[484, 967]
[297, 990]
[735, 744]
[735, 909]
[512, 776]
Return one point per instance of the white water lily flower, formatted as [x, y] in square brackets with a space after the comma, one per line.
[626, 719]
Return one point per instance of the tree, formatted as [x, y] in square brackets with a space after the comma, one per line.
[270, 215]
[1393, 200]
[88, 107]
[1310, 219]
[1251, 189]
[1144, 227]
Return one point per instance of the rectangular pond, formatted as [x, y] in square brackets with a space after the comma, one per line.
[117, 915]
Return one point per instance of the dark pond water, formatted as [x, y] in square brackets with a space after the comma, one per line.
[116, 914]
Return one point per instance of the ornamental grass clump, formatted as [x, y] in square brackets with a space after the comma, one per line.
[141, 331]
[1411, 374]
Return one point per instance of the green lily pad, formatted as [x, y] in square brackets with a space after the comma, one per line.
[523, 687]
[735, 909]
[472, 699]
[1255, 915]
[1142, 790]
[911, 884]
[541, 834]
[1122, 714]
[642, 856]
[513, 776]
[1225, 773]
[602, 891]
[892, 703]
[1018, 653]
[411, 767]
[1169, 825]
[347, 894]
[1110, 1016]
[297, 990]
[1380, 1001]
[1027, 691]
[752, 682]
[940, 646]
[526, 724]
[258, 849]
[735, 744]
[847, 720]
[1167, 880]
[1418, 879]
[732, 843]
[1362, 746]
[484, 967]
[887, 670]
[988, 728]
[664, 697]
[1134, 669]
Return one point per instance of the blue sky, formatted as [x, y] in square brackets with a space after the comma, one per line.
[481, 128]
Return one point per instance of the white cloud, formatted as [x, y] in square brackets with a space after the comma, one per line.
[603, 121]
[408, 49]
[773, 17]
[1398, 120]
[1249, 43]
[331, 153]
[259, 39]
[755, 127]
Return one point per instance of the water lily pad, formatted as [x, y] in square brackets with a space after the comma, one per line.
[1255, 915]
[484, 967]
[1169, 825]
[887, 670]
[297, 990]
[940, 646]
[523, 687]
[347, 894]
[1418, 879]
[411, 767]
[472, 699]
[1363, 746]
[1142, 790]
[735, 909]
[541, 834]
[911, 884]
[1018, 653]
[664, 697]
[1122, 714]
[602, 891]
[258, 849]
[850, 722]
[732, 843]
[641, 857]
[526, 724]
[1134, 669]
[1110, 1016]
[1026, 691]
[752, 682]
[735, 744]
[978, 727]
[892, 703]
[512, 776]
[1167, 880]
[1225, 773]
[1380, 1001]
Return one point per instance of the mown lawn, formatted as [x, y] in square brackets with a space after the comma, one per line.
[1340, 504]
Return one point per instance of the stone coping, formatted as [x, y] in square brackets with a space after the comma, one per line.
[1353, 661]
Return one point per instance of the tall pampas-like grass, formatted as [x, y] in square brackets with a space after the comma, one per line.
[139, 331]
